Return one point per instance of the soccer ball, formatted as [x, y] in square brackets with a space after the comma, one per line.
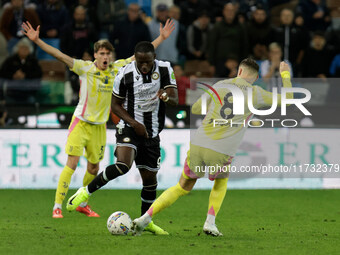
[119, 223]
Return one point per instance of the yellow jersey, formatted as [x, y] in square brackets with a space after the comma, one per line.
[226, 134]
[95, 89]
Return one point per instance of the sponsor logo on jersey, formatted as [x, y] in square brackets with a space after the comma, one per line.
[173, 76]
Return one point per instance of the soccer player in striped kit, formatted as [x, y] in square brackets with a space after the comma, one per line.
[141, 91]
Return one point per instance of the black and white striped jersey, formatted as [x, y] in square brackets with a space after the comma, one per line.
[139, 93]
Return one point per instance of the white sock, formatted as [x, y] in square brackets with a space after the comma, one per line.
[83, 204]
[56, 206]
[145, 219]
[210, 219]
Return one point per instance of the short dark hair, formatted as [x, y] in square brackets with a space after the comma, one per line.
[251, 64]
[103, 44]
[144, 47]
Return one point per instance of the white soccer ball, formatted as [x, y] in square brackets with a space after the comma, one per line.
[119, 223]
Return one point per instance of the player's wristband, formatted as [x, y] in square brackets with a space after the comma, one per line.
[285, 74]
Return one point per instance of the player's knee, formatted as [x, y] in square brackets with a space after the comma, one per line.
[113, 171]
[93, 169]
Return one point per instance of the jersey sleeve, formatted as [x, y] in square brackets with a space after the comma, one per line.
[80, 66]
[197, 106]
[120, 63]
[167, 74]
[119, 88]
[263, 98]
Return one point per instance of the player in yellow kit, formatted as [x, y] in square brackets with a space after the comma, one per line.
[215, 145]
[88, 126]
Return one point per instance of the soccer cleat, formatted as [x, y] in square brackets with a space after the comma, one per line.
[57, 213]
[211, 229]
[153, 228]
[87, 211]
[74, 201]
[137, 227]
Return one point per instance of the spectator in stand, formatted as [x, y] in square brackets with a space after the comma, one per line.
[316, 14]
[183, 83]
[12, 17]
[334, 69]
[291, 39]
[229, 69]
[333, 38]
[334, 88]
[318, 57]
[259, 30]
[227, 38]
[109, 11]
[128, 32]
[22, 64]
[175, 14]
[247, 7]
[190, 10]
[91, 10]
[22, 72]
[197, 37]
[79, 35]
[168, 50]
[270, 69]
[54, 16]
[259, 53]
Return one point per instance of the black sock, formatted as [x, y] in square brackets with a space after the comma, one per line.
[110, 173]
[97, 183]
[148, 195]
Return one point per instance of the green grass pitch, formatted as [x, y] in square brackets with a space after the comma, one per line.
[253, 222]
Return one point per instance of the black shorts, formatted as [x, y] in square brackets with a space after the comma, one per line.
[148, 151]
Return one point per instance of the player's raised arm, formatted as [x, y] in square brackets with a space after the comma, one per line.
[164, 33]
[263, 98]
[33, 35]
[286, 79]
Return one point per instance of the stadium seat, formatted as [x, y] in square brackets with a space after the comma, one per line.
[53, 70]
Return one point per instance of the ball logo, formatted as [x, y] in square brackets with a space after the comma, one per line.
[118, 215]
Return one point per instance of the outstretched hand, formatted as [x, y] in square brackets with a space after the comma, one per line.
[168, 28]
[29, 31]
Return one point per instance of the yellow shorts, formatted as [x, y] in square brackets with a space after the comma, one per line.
[201, 160]
[89, 136]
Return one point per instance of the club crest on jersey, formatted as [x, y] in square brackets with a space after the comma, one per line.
[126, 139]
[137, 77]
[155, 76]
[106, 80]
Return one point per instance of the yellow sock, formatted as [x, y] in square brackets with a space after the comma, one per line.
[217, 195]
[88, 178]
[167, 198]
[63, 184]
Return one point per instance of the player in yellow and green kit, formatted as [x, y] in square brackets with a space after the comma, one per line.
[88, 126]
[216, 145]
